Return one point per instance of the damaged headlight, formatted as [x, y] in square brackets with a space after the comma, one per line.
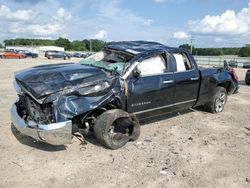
[94, 90]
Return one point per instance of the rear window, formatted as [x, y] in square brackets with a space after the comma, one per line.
[182, 62]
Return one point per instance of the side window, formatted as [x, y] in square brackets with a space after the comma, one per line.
[152, 65]
[182, 62]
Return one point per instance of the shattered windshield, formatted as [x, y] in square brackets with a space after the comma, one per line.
[108, 60]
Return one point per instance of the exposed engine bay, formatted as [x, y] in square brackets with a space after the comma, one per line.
[31, 110]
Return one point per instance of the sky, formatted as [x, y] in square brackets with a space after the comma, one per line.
[210, 23]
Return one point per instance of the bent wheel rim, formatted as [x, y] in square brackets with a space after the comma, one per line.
[220, 102]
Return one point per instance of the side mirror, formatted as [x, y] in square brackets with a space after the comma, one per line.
[136, 73]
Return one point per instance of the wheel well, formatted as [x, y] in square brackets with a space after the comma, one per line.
[90, 117]
[226, 85]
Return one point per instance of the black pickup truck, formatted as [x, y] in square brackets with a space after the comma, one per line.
[110, 91]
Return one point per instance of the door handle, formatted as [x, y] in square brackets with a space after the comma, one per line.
[194, 78]
[168, 81]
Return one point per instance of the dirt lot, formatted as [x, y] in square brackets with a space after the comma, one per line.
[192, 149]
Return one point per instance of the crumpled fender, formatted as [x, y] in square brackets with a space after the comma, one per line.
[66, 107]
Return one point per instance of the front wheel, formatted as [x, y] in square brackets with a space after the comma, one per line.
[114, 128]
[218, 101]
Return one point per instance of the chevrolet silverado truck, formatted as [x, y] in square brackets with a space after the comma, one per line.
[109, 92]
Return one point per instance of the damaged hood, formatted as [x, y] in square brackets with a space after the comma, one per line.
[44, 80]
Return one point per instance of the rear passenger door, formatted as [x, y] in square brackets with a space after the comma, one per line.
[187, 81]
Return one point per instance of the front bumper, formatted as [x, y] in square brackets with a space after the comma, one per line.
[54, 133]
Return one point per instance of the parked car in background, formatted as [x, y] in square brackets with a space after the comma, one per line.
[89, 54]
[12, 55]
[233, 63]
[82, 55]
[50, 54]
[28, 53]
[10, 50]
[246, 65]
[247, 77]
[78, 55]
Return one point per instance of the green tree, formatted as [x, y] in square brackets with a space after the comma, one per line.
[6, 42]
[25, 42]
[77, 45]
[87, 44]
[62, 42]
[97, 45]
[94, 44]
[245, 51]
[186, 46]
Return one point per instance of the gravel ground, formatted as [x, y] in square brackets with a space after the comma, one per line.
[190, 149]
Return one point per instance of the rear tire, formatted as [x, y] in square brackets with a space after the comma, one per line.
[114, 128]
[218, 101]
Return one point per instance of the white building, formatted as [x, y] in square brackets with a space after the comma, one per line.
[40, 50]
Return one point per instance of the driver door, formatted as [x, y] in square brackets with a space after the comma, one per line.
[153, 89]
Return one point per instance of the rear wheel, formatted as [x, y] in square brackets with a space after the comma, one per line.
[114, 128]
[218, 101]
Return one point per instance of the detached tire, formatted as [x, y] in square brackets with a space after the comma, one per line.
[114, 128]
[218, 101]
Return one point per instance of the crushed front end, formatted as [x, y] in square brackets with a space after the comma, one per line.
[37, 120]
[54, 101]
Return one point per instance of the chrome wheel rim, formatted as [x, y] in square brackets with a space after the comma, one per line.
[220, 102]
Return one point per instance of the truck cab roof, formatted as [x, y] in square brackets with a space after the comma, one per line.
[136, 47]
